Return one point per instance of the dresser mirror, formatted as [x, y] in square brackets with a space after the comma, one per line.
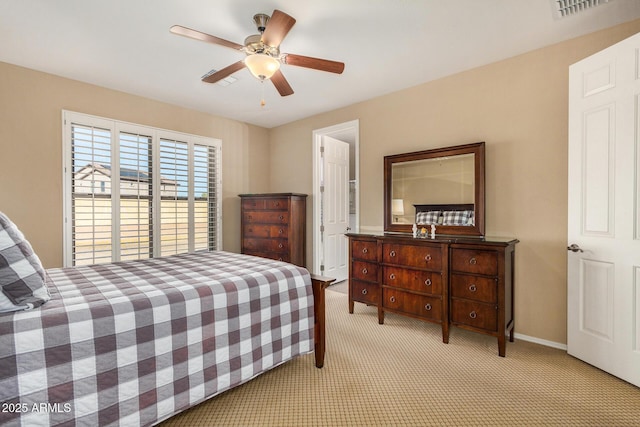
[443, 187]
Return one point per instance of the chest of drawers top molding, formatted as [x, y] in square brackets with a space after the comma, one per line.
[464, 281]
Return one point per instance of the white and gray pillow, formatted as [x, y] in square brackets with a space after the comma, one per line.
[428, 217]
[456, 217]
[22, 277]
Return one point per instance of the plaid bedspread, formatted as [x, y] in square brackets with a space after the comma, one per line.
[133, 343]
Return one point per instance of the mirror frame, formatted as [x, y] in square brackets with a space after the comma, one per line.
[479, 191]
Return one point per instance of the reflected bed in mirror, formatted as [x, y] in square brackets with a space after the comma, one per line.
[443, 186]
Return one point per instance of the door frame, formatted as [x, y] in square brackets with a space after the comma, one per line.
[338, 131]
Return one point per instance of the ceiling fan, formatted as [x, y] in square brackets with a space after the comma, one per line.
[263, 57]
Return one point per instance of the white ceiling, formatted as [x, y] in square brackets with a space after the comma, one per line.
[386, 45]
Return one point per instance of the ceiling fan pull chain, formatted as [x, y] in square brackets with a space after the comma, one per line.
[262, 101]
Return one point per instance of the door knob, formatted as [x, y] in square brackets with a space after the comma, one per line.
[574, 248]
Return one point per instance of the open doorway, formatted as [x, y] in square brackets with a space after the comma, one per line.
[335, 196]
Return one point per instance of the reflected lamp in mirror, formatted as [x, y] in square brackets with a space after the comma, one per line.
[397, 209]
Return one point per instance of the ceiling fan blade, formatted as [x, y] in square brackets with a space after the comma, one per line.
[198, 35]
[225, 72]
[315, 63]
[278, 27]
[281, 84]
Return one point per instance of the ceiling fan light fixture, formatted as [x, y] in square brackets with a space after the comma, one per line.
[262, 66]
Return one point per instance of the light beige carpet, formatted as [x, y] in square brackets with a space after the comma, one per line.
[401, 373]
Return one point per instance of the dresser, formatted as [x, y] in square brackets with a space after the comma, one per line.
[465, 282]
[273, 226]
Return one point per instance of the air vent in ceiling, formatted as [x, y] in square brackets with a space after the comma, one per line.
[224, 82]
[564, 8]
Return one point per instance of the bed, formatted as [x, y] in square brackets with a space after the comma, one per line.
[459, 214]
[133, 343]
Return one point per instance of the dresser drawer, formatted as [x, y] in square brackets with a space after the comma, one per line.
[365, 292]
[253, 204]
[264, 230]
[264, 245]
[475, 314]
[474, 261]
[474, 287]
[263, 204]
[429, 257]
[270, 255]
[414, 280]
[367, 271]
[266, 217]
[424, 306]
[277, 204]
[364, 249]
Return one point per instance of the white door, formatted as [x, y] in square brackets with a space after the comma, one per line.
[603, 322]
[335, 207]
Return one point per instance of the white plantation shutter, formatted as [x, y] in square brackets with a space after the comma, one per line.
[174, 208]
[190, 205]
[91, 220]
[134, 192]
[206, 170]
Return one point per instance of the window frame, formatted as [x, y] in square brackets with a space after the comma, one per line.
[116, 127]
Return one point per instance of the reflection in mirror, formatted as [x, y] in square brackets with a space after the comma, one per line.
[443, 186]
[441, 180]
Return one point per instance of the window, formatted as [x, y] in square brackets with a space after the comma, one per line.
[135, 192]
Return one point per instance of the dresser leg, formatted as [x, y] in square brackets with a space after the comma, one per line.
[380, 316]
[445, 332]
[502, 345]
[351, 306]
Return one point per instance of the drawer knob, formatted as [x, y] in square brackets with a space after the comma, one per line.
[280, 231]
[281, 217]
[427, 282]
[280, 246]
[364, 292]
[392, 276]
[392, 299]
[249, 216]
[473, 261]
[365, 271]
[473, 288]
[427, 258]
[365, 250]
[473, 315]
[280, 259]
[392, 253]
[427, 307]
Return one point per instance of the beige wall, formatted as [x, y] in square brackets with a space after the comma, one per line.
[519, 107]
[31, 105]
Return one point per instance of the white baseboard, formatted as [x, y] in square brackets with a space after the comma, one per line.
[540, 341]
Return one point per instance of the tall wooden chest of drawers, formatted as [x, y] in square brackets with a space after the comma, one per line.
[463, 282]
[274, 226]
